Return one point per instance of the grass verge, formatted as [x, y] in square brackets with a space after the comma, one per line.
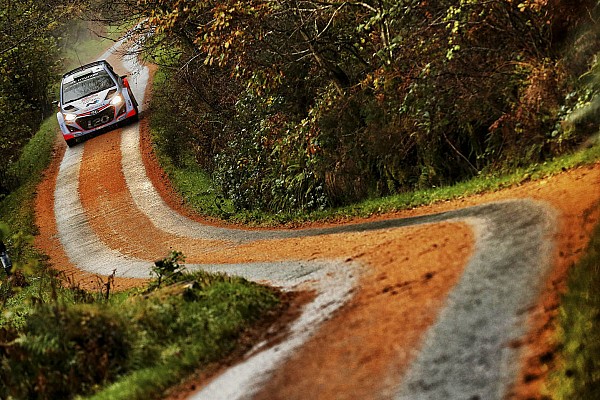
[17, 209]
[183, 331]
[132, 346]
[578, 376]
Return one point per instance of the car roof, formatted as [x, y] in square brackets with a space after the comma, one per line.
[86, 69]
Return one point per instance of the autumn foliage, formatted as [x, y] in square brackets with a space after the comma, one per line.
[29, 36]
[308, 104]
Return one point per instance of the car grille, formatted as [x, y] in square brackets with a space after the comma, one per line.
[92, 121]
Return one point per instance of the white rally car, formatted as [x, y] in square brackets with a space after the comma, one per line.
[93, 97]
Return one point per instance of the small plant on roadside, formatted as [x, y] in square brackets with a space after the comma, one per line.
[105, 287]
[169, 268]
[129, 347]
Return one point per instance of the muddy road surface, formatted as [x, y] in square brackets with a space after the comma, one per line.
[455, 300]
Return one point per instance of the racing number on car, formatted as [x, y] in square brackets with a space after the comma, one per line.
[98, 121]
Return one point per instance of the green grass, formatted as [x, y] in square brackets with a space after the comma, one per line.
[579, 331]
[135, 346]
[17, 209]
[196, 188]
[188, 333]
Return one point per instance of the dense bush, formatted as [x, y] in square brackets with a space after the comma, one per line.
[64, 350]
[329, 103]
[29, 36]
[68, 348]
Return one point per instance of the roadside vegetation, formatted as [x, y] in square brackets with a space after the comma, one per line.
[131, 345]
[306, 106]
[28, 68]
[82, 42]
[202, 195]
[58, 340]
[579, 361]
[286, 112]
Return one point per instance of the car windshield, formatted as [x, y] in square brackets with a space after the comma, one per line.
[86, 85]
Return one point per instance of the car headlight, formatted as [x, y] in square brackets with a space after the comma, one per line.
[115, 101]
[70, 117]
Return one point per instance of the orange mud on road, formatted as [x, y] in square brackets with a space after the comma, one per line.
[407, 272]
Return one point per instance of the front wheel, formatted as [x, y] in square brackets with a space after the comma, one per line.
[133, 99]
[136, 117]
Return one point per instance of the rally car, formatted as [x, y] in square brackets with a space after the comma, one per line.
[92, 98]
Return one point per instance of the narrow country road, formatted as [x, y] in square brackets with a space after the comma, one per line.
[439, 303]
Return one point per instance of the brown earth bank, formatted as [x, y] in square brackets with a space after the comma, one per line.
[406, 273]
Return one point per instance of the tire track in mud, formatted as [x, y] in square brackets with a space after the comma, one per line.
[466, 352]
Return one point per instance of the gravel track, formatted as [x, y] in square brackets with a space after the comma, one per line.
[467, 353]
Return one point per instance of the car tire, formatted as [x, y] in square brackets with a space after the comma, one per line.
[71, 142]
[136, 117]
